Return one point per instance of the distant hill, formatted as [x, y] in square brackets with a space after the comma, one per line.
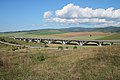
[72, 29]
[81, 29]
[107, 29]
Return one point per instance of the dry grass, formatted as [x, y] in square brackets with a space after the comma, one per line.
[93, 63]
[71, 34]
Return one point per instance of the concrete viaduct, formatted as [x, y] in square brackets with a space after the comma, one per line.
[64, 41]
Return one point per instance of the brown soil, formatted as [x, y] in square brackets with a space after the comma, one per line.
[71, 34]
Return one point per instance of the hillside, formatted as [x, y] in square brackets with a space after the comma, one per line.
[112, 37]
[68, 33]
[71, 29]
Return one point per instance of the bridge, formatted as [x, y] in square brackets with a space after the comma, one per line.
[66, 41]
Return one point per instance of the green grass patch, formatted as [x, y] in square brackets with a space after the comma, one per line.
[111, 37]
[45, 32]
[13, 41]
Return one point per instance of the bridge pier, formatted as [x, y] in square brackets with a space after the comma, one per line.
[100, 43]
[24, 39]
[49, 42]
[63, 42]
[111, 43]
[38, 41]
[20, 39]
[30, 40]
[80, 43]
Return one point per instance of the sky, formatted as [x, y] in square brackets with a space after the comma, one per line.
[18, 15]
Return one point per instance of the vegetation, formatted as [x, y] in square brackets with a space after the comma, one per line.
[60, 48]
[75, 63]
[75, 47]
[57, 33]
[112, 37]
[93, 63]
[46, 32]
[13, 41]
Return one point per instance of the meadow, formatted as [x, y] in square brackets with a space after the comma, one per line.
[59, 35]
[70, 62]
[86, 63]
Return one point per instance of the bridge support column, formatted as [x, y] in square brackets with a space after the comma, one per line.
[80, 43]
[33, 40]
[49, 42]
[99, 43]
[63, 42]
[38, 41]
[24, 39]
[111, 43]
[30, 40]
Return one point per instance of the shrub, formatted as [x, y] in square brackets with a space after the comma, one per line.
[23, 47]
[3, 40]
[46, 46]
[75, 47]
[14, 49]
[60, 48]
[41, 58]
[12, 42]
[66, 47]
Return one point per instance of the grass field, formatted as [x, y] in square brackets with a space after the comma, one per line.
[45, 32]
[91, 63]
[60, 35]
[13, 41]
[112, 37]
[69, 63]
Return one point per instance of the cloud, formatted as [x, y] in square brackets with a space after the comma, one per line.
[47, 14]
[73, 14]
[44, 25]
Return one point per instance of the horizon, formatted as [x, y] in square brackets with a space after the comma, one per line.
[23, 15]
[55, 29]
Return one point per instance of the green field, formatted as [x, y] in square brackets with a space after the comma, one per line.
[31, 33]
[45, 32]
[13, 41]
[112, 37]
[57, 34]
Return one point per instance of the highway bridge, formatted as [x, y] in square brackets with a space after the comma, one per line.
[66, 41]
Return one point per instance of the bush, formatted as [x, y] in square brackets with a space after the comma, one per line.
[3, 40]
[46, 46]
[23, 47]
[60, 48]
[14, 49]
[12, 42]
[75, 47]
[67, 47]
[41, 58]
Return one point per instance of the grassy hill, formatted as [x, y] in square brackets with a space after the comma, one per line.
[68, 33]
[112, 37]
[45, 32]
[13, 41]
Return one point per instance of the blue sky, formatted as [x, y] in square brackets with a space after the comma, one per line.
[20, 15]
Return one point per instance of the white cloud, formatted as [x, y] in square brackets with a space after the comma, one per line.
[44, 25]
[73, 14]
[47, 14]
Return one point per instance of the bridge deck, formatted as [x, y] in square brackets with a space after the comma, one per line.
[70, 40]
